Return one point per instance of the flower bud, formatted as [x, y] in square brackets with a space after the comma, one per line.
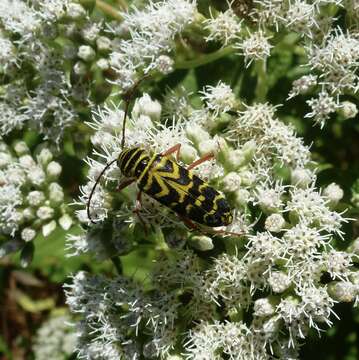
[249, 149]
[231, 182]
[86, 53]
[54, 169]
[35, 198]
[274, 223]
[44, 157]
[103, 43]
[188, 153]
[28, 234]
[208, 146]
[102, 64]
[56, 193]
[28, 214]
[65, 221]
[48, 228]
[301, 177]
[202, 242]
[242, 197]
[45, 213]
[5, 159]
[75, 11]
[36, 175]
[248, 178]
[348, 110]
[333, 193]
[80, 68]
[343, 291]
[21, 148]
[146, 106]
[279, 281]
[263, 307]
[236, 158]
[26, 161]
[196, 133]
[164, 64]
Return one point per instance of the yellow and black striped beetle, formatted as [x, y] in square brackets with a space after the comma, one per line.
[171, 184]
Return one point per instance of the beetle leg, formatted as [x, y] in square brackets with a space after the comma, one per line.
[138, 209]
[173, 149]
[193, 226]
[125, 183]
[189, 223]
[226, 233]
[201, 160]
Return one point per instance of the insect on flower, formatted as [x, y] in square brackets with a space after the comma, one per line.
[171, 184]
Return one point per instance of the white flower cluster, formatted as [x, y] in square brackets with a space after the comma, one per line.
[276, 279]
[332, 55]
[54, 339]
[152, 32]
[115, 312]
[31, 198]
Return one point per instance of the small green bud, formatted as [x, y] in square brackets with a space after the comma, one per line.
[21, 148]
[348, 110]
[86, 53]
[343, 291]
[48, 228]
[201, 242]
[44, 157]
[188, 153]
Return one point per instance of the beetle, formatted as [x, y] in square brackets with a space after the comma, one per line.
[171, 184]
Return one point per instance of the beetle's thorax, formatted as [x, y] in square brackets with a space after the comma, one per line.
[133, 161]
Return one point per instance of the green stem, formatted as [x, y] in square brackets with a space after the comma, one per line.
[122, 4]
[118, 265]
[262, 85]
[204, 59]
[109, 10]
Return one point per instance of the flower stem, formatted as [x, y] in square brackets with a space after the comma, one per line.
[109, 10]
[262, 86]
[204, 59]
[118, 265]
[122, 4]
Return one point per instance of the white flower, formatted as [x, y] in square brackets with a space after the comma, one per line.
[148, 107]
[279, 281]
[302, 178]
[274, 223]
[28, 234]
[86, 53]
[53, 169]
[263, 307]
[255, 47]
[348, 110]
[322, 107]
[225, 27]
[334, 193]
[219, 98]
[303, 85]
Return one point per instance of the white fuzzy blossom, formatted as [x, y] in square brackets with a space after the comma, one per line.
[225, 27]
[30, 202]
[152, 32]
[55, 338]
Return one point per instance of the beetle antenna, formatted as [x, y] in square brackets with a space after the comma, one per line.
[94, 188]
[127, 96]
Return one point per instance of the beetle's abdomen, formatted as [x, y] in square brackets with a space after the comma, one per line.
[185, 193]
